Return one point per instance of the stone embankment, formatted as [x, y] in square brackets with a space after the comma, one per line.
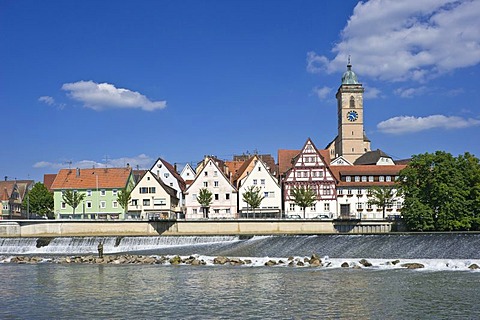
[313, 261]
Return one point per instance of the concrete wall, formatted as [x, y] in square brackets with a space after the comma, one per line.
[27, 228]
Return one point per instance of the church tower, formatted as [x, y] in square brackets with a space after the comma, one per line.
[351, 141]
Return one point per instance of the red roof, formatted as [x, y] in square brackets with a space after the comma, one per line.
[48, 179]
[365, 170]
[87, 178]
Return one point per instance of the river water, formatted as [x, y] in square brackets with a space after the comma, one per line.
[444, 289]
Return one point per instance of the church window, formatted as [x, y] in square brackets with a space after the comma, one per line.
[352, 102]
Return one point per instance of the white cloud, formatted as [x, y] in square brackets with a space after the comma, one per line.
[47, 100]
[323, 92]
[410, 92]
[371, 93]
[100, 96]
[142, 161]
[406, 40]
[409, 124]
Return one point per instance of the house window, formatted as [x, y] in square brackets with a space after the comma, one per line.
[89, 204]
[216, 196]
[114, 192]
[205, 184]
[313, 207]
[381, 178]
[262, 182]
[357, 178]
[134, 202]
[151, 190]
[114, 204]
[64, 205]
[103, 204]
[255, 181]
[215, 173]
[359, 191]
[327, 190]
[292, 206]
[206, 174]
[369, 205]
[340, 191]
[171, 184]
[194, 196]
[265, 194]
[146, 202]
[271, 194]
[166, 174]
[360, 206]
[348, 179]
[143, 190]
[349, 191]
[159, 202]
[216, 211]
[326, 207]
[259, 168]
[194, 211]
[364, 178]
[305, 174]
[103, 192]
[388, 178]
[227, 210]
[370, 178]
[215, 183]
[227, 196]
[299, 174]
[89, 193]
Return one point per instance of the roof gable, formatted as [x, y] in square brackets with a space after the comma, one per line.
[264, 172]
[172, 170]
[200, 175]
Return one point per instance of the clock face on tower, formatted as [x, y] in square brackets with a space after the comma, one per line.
[352, 115]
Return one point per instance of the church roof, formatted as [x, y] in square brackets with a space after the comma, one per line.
[349, 77]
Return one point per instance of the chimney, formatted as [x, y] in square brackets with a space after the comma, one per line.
[78, 172]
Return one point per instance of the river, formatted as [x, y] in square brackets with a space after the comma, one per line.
[444, 289]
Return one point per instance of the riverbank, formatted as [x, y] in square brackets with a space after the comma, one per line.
[79, 228]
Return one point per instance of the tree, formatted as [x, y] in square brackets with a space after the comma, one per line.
[303, 197]
[39, 201]
[73, 199]
[382, 197]
[253, 198]
[205, 199]
[124, 197]
[442, 192]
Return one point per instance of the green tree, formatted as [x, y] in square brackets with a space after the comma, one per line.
[382, 197]
[205, 199]
[124, 197]
[73, 199]
[252, 196]
[39, 201]
[303, 197]
[442, 193]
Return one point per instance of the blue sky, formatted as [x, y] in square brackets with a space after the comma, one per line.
[115, 82]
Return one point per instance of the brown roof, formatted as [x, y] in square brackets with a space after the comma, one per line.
[234, 166]
[6, 187]
[241, 171]
[87, 178]
[285, 158]
[48, 179]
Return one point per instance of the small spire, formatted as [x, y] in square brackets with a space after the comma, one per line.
[349, 64]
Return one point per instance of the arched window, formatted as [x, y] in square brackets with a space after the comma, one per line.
[352, 102]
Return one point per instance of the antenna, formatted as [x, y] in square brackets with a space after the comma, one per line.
[348, 59]
[106, 161]
[69, 164]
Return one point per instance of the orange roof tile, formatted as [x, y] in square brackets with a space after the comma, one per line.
[87, 178]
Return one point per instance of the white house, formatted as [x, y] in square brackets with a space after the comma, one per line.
[187, 173]
[152, 198]
[255, 173]
[169, 176]
[224, 194]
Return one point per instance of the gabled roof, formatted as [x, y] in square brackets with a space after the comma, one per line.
[287, 158]
[171, 191]
[87, 178]
[48, 179]
[233, 167]
[371, 157]
[255, 160]
[340, 161]
[173, 171]
[241, 171]
[204, 165]
[138, 174]
[6, 188]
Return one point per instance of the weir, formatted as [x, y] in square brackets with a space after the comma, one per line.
[386, 246]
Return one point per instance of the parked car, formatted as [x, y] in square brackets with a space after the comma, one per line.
[294, 216]
[322, 216]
